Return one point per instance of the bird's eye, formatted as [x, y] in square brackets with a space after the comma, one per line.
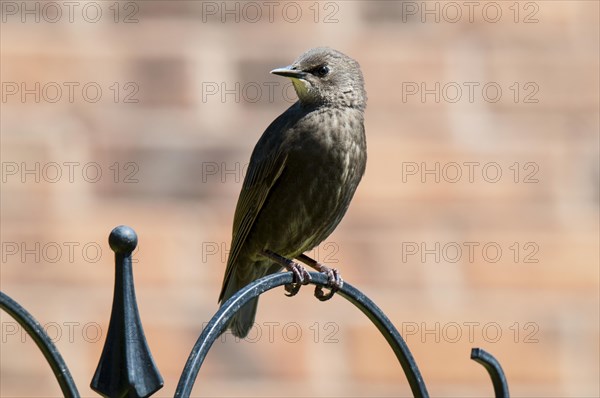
[321, 71]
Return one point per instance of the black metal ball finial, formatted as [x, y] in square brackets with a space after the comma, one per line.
[123, 239]
[126, 367]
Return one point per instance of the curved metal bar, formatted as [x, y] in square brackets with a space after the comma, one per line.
[44, 343]
[219, 322]
[494, 369]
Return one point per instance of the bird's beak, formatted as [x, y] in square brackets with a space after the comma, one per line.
[289, 71]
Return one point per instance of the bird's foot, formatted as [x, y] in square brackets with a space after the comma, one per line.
[334, 279]
[301, 275]
[335, 283]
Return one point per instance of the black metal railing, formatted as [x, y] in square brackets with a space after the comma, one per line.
[44, 343]
[127, 369]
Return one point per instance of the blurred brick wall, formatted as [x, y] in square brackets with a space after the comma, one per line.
[167, 101]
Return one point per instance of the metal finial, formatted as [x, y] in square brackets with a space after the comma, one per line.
[126, 367]
[123, 239]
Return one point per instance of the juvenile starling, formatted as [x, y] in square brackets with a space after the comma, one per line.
[302, 174]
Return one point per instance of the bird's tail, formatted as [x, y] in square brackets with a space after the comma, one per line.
[242, 321]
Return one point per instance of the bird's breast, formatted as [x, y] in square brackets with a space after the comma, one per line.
[325, 163]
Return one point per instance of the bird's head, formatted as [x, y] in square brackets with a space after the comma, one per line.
[325, 76]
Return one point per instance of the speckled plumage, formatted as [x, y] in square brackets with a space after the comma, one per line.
[302, 174]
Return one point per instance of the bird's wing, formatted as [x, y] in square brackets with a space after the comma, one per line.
[262, 175]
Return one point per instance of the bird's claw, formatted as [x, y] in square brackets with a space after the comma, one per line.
[334, 283]
[301, 277]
